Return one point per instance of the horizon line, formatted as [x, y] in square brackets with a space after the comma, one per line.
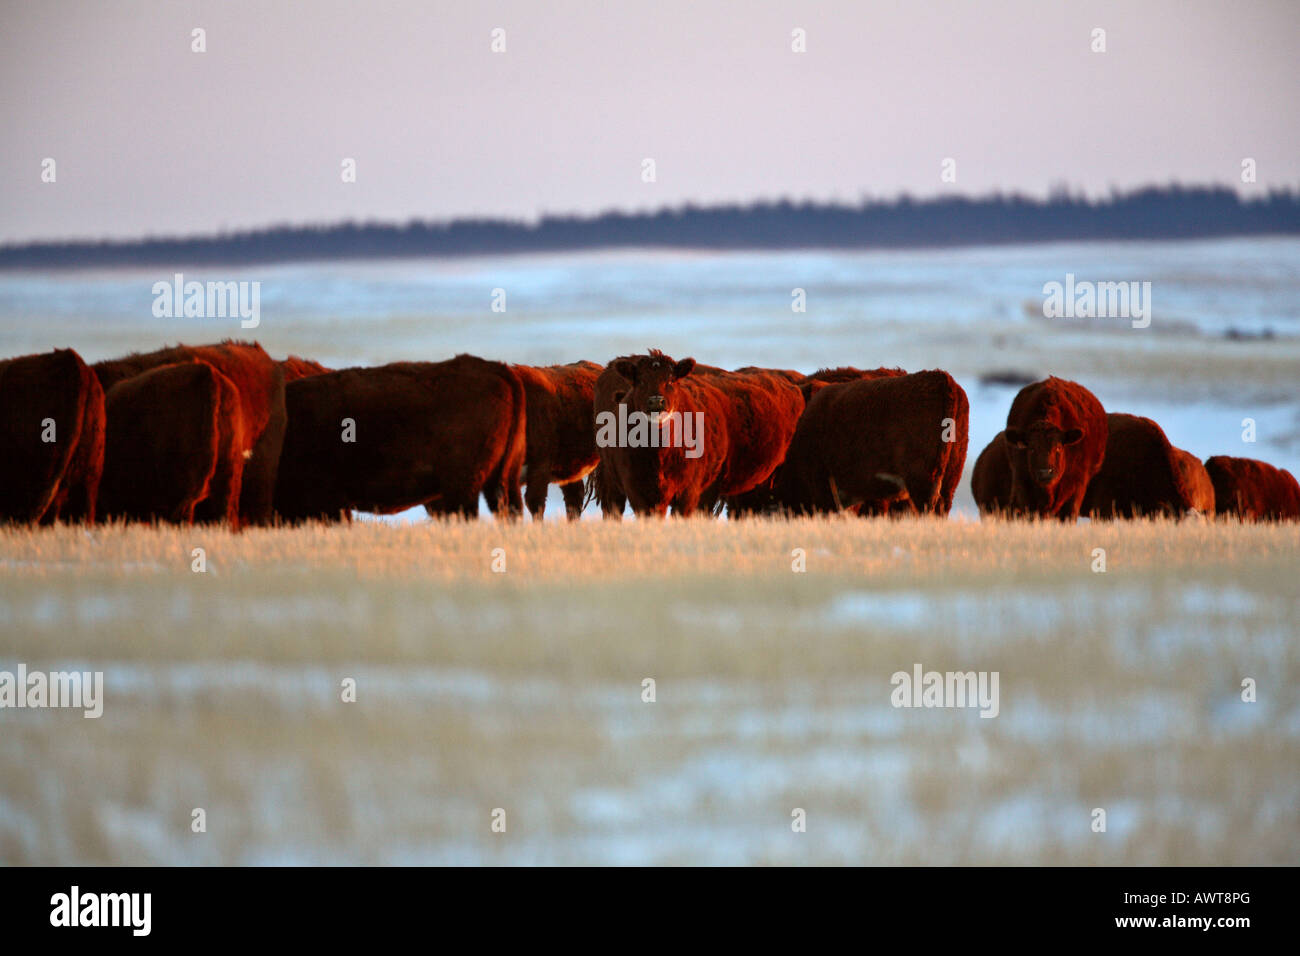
[1056, 195]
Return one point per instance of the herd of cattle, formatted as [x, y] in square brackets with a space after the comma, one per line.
[225, 433]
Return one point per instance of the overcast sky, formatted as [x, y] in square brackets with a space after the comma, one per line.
[149, 137]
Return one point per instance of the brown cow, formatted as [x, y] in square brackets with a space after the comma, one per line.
[990, 480]
[51, 438]
[1056, 437]
[260, 382]
[173, 435]
[296, 367]
[561, 439]
[393, 437]
[603, 485]
[745, 422]
[1140, 474]
[1197, 482]
[865, 445]
[1253, 490]
[763, 499]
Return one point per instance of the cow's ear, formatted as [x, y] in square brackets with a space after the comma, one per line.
[683, 368]
[626, 368]
[1015, 438]
[1072, 436]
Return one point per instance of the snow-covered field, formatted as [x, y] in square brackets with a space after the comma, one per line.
[524, 690]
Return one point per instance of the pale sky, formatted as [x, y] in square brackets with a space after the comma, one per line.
[149, 137]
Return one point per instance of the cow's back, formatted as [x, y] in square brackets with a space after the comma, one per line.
[296, 367]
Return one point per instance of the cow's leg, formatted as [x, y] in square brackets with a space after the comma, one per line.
[182, 513]
[539, 481]
[513, 497]
[573, 493]
[493, 494]
[1069, 511]
[903, 505]
[463, 500]
[684, 505]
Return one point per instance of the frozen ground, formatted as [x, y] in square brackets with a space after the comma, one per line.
[523, 691]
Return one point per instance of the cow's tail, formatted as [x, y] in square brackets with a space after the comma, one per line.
[604, 489]
[591, 487]
[835, 492]
[506, 474]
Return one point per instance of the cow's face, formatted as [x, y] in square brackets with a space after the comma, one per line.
[653, 381]
[1043, 445]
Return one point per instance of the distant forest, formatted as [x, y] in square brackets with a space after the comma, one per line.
[1171, 212]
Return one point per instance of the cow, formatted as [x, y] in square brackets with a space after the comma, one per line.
[610, 391]
[745, 422]
[259, 380]
[1197, 482]
[561, 437]
[1253, 490]
[762, 500]
[1140, 475]
[174, 437]
[870, 444]
[990, 479]
[1056, 438]
[51, 438]
[296, 367]
[397, 436]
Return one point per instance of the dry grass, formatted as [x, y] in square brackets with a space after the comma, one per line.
[522, 690]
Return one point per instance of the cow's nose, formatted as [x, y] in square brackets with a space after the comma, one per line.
[655, 403]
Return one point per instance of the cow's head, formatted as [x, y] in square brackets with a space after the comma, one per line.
[1043, 445]
[653, 381]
